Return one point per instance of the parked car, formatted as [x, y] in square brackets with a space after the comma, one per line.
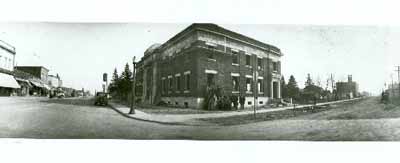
[101, 98]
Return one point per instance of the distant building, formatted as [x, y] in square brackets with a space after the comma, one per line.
[179, 71]
[8, 84]
[347, 89]
[54, 81]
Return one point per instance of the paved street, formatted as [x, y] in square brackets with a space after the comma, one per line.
[40, 118]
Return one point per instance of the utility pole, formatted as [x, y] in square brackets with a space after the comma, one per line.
[132, 109]
[398, 77]
[392, 86]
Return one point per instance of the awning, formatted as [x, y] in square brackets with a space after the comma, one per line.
[8, 81]
[37, 84]
[23, 82]
[46, 86]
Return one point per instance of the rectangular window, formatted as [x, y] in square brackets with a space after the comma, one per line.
[249, 85]
[211, 56]
[235, 83]
[259, 63]
[187, 81]
[274, 66]
[235, 57]
[178, 83]
[170, 83]
[248, 60]
[260, 85]
[210, 79]
[164, 83]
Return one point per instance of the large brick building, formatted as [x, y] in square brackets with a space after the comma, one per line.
[179, 71]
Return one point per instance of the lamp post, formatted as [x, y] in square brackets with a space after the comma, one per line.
[132, 110]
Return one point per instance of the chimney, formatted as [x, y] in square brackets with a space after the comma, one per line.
[350, 79]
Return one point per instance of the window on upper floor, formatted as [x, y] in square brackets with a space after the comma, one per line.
[275, 66]
[235, 57]
[259, 63]
[248, 60]
[211, 56]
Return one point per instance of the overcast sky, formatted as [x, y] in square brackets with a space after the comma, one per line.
[80, 53]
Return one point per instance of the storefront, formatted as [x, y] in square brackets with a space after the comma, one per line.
[25, 86]
[8, 85]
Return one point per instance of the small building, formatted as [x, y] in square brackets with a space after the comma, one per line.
[179, 71]
[8, 84]
[347, 89]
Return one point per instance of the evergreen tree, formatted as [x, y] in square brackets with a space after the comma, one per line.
[309, 81]
[293, 90]
[284, 88]
[113, 87]
[125, 82]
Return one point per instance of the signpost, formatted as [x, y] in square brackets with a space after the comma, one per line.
[105, 80]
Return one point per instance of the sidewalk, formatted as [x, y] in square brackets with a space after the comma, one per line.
[192, 119]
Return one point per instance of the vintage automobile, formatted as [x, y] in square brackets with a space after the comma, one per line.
[101, 98]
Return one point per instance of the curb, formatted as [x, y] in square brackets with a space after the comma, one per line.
[147, 120]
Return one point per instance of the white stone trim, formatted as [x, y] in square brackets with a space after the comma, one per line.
[163, 78]
[179, 74]
[235, 64]
[260, 77]
[186, 91]
[235, 92]
[211, 71]
[235, 74]
[169, 76]
[211, 44]
[187, 72]
[249, 76]
[235, 50]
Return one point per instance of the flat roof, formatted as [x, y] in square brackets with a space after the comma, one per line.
[219, 29]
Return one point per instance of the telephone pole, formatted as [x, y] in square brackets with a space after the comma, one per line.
[132, 109]
[398, 77]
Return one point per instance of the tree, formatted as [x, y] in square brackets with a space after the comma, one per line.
[311, 91]
[309, 81]
[284, 90]
[293, 90]
[125, 82]
[113, 87]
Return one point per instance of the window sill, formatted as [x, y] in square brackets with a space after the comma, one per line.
[235, 91]
[248, 66]
[186, 91]
[213, 60]
[249, 92]
[235, 64]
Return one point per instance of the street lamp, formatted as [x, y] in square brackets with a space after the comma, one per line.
[132, 110]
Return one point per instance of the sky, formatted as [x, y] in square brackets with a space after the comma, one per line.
[81, 52]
